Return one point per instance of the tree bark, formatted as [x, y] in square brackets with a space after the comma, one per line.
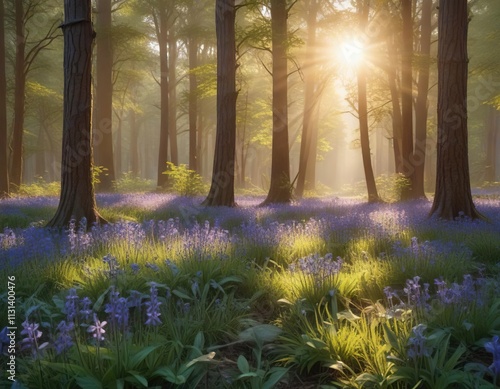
[397, 121]
[421, 106]
[193, 101]
[172, 80]
[4, 168]
[307, 143]
[134, 143]
[77, 200]
[162, 35]
[453, 197]
[19, 98]
[103, 101]
[280, 190]
[407, 99]
[222, 188]
[371, 187]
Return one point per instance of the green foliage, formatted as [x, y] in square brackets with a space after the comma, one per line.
[38, 188]
[98, 171]
[185, 182]
[129, 182]
[391, 186]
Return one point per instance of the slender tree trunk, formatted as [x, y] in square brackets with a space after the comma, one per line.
[4, 166]
[397, 121]
[134, 143]
[40, 153]
[19, 98]
[421, 106]
[103, 102]
[310, 75]
[491, 145]
[280, 190]
[193, 101]
[453, 193]
[222, 188]
[363, 114]
[118, 144]
[172, 80]
[77, 192]
[164, 97]
[199, 142]
[407, 100]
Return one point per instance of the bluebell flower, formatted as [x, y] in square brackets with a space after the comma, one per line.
[4, 340]
[493, 347]
[417, 343]
[71, 305]
[153, 307]
[30, 341]
[64, 340]
[135, 268]
[85, 309]
[135, 299]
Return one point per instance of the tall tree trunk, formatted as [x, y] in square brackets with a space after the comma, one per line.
[453, 193]
[103, 102]
[19, 98]
[491, 145]
[77, 192]
[280, 190]
[407, 99]
[193, 101]
[421, 106]
[134, 143]
[363, 10]
[222, 188]
[119, 144]
[397, 121]
[40, 153]
[4, 166]
[162, 34]
[310, 75]
[172, 80]
[199, 142]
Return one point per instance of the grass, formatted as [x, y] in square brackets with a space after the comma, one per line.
[325, 291]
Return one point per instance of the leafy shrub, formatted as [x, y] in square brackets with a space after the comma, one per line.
[129, 182]
[39, 188]
[185, 182]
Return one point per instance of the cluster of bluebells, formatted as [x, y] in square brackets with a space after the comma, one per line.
[431, 250]
[417, 346]
[317, 265]
[319, 269]
[417, 295]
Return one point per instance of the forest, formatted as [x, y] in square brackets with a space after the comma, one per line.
[250, 194]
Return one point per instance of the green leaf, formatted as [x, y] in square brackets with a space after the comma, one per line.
[88, 382]
[141, 379]
[182, 295]
[141, 356]
[246, 375]
[277, 374]
[169, 375]
[243, 364]
[263, 332]
[390, 337]
[235, 279]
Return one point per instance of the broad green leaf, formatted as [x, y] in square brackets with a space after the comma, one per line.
[141, 356]
[277, 374]
[263, 332]
[182, 295]
[88, 383]
[243, 364]
[141, 379]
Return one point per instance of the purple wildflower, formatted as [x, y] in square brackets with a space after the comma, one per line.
[417, 343]
[85, 309]
[494, 348]
[64, 340]
[153, 307]
[30, 341]
[71, 305]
